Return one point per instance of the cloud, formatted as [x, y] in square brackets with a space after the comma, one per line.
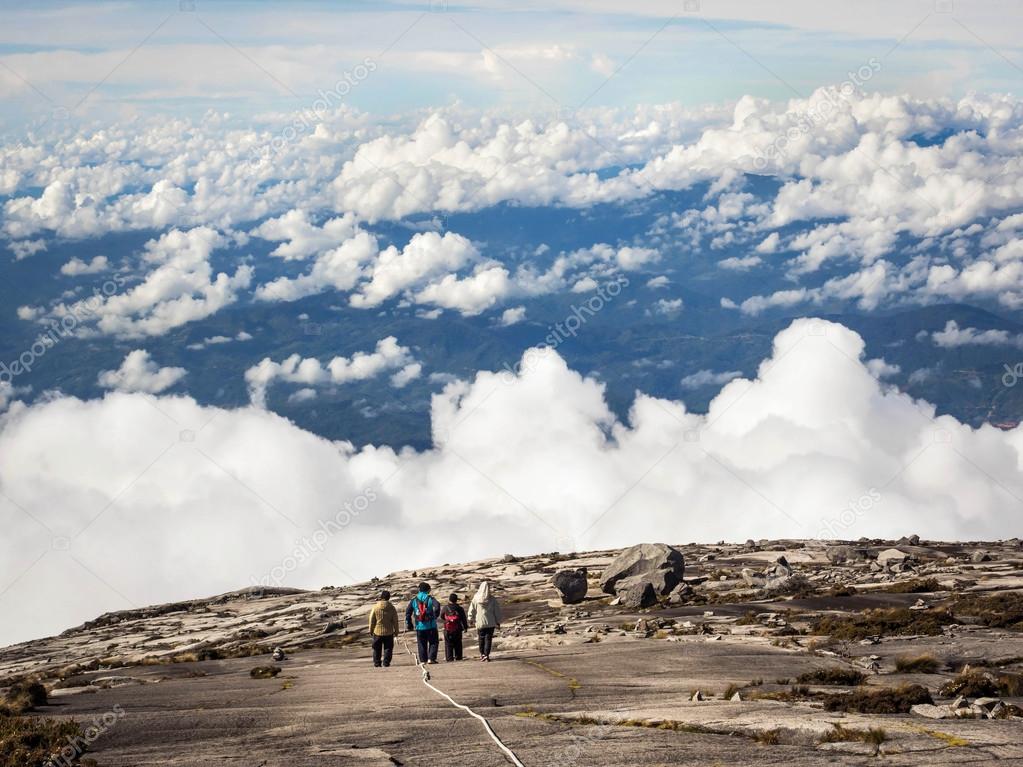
[300, 238]
[388, 355]
[426, 254]
[668, 306]
[513, 316]
[703, 378]
[179, 289]
[77, 266]
[953, 336]
[786, 453]
[139, 373]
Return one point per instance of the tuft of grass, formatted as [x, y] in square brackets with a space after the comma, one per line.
[265, 672]
[884, 700]
[997, 611]
[749, 618]
[899, 621]
[841, 734]
[834, 675]
[913, 586]
[917, 664]
[768, 737]
[977, 683]
[23, 697]
[33, 740]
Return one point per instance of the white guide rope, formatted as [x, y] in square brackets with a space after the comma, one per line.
[490, 730]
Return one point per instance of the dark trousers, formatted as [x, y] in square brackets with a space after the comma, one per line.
[383, 646]
[486, 640]
[452, 645]
[429, 641]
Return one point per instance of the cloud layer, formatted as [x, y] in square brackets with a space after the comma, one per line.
[114, 502]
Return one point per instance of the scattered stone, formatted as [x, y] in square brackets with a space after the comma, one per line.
[736, 698]
[507, 559]
[931, 711]
[890, 557]
[572, 585]
[980, 556]
[697, 697]
[278, 654]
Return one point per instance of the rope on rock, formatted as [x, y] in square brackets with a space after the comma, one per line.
[490, 730]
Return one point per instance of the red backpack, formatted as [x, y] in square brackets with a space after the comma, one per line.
[452, 621]
[423, 612]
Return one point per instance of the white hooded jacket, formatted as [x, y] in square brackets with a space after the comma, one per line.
[485, 610]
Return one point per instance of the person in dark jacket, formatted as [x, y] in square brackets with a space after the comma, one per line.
[422, 613]
[453, 618]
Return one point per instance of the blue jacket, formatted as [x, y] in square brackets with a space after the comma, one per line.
[432, 611]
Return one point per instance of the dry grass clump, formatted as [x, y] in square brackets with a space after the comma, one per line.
[898, 621]
[913, 586]
[873, 735]
[975, 684]
[265, 672]
[834, 675]
[1004, 611]
[884, 700]
[23, 697]
[33, 740]
[917, 664]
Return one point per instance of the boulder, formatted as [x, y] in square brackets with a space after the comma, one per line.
[838, 555]
[636, 592]
[980, 556]
[571, 584]
[890, 557]
[931, 711]
[659, 564]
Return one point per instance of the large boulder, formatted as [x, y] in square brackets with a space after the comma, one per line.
[572, 585]
[659, 564]
[636, 592]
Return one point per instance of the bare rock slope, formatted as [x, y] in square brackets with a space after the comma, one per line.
[908, 652]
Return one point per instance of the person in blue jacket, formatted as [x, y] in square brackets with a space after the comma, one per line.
[423, 611]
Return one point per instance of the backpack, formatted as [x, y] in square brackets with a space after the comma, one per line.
[423, 612]
[452, 621]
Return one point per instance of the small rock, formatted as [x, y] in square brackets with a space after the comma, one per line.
[697, 696]
[931, 711]
[278, 654]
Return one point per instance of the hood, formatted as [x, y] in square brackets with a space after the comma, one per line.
[383, 602]
[483, 593]
[422, 596]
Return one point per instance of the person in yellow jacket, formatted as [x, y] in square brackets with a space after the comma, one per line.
[383, 627]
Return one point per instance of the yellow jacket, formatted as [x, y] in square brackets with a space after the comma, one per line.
[383, 619]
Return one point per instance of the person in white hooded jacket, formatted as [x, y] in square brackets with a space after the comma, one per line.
[485, 615]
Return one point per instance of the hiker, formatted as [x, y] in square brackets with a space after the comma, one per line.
[383, 626]
[485, 615]
[425, 609]
[455, 622]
